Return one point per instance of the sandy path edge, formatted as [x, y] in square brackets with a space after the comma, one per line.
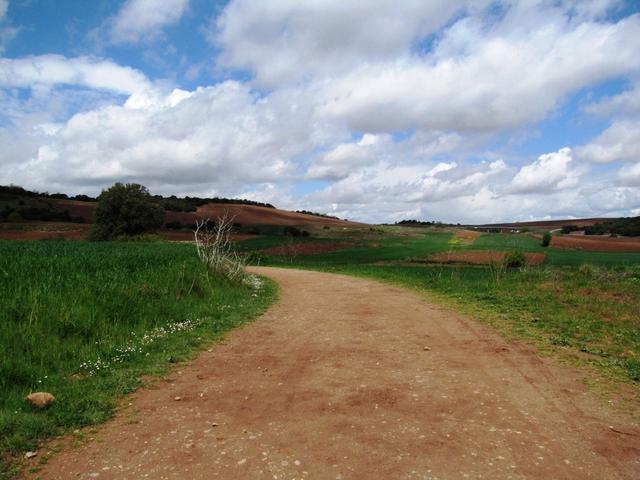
[334, 381]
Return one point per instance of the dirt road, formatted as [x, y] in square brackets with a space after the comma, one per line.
[335, 382]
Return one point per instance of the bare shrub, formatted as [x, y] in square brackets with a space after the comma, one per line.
[215, 249]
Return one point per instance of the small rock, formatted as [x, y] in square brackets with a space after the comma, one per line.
[427, 349]
[30, 454]
[40, 399]
[214, 424]
[242, 462]
[177, 399]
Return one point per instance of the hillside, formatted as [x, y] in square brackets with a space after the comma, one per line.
[30, 215]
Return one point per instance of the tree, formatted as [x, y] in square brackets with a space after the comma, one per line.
[125, 210]
[546, 239]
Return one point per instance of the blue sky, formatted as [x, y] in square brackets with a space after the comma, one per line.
[462, 111]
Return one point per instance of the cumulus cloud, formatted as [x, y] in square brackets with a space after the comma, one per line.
[624, 104]
[218, 138]
[346, 157]
[475, 81]
[45, 71]
[288, 40]
[629, 175]
[619, 142]
[550, 172]
[138, 19]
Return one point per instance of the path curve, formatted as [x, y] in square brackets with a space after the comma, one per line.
[334, 381]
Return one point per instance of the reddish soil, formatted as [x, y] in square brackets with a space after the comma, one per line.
[466, 237]
[354, 379]
[244, 214]
[252, 215]
[306, 248]
[43, 230]
[596, 243]
[482, 258]
[76, 208]
[551, 224]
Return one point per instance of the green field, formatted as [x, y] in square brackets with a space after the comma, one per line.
[85, 321]
[587, 303]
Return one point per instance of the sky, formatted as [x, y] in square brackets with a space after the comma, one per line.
[470, 111]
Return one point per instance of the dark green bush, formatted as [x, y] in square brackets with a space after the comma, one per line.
[125, 210]
[546, 239]
[515, 260]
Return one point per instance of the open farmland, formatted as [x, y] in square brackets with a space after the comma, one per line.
[585, 303]
[596, 243]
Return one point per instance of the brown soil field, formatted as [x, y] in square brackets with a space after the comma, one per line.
[466, 237]
[76, 208]
[551, 224]
[307, 248]
[481, 258]
[347, 378]
[43, 230]
[252, 215]
[596, 243]
[244, 214]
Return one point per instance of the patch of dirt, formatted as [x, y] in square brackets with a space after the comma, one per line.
[481, 258]
[334, 381]
[466, 237]
[596, 243]
[43, 230]
[306, 248]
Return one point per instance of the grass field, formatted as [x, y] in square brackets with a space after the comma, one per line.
[585, 302]
[85, 321]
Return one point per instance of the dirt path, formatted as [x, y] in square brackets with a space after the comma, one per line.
[335, 382]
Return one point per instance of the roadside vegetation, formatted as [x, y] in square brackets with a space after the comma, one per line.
[85, 321]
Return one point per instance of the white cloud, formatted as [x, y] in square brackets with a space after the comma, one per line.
[550, 172]
[625, 103]
[629, 175]
[45, 71]
[619, 142]
[138, 19]
[287, 40]
[479, 81]
[214, 139]
[346, 157]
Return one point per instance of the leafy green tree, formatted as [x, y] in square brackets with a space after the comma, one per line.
[125, 210]
[546, 239]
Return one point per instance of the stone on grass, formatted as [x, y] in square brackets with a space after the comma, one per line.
[40, 399]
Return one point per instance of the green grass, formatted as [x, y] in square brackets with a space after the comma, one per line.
[85, 321]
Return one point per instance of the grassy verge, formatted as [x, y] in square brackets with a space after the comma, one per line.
[86, 321]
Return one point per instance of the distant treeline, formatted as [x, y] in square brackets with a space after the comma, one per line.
[627, 226]
[191, 204]
[324, 215]
[419, 223]
[14, 192]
